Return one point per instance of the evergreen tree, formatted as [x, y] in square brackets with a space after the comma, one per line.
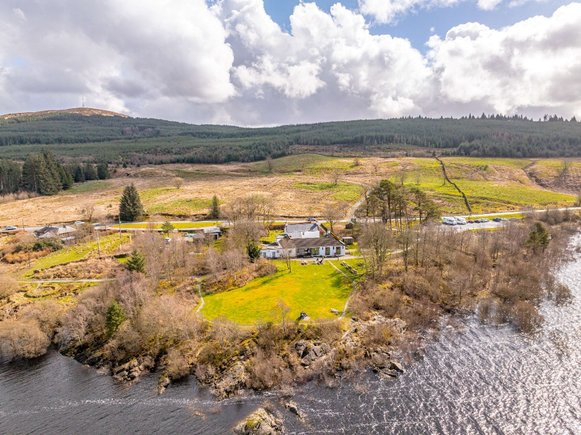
[30, 169]
[40, 174]
[10, 177]
[130, 208]
[115, 317]
[136, 262]
[214, 208]
[253, 251]
[79, 174]
[90, 172]
[167, 227]
[538, 238]
[67, 180]
[54, 182]
[103, 171]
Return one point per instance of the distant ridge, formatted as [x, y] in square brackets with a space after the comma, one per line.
[84, 111]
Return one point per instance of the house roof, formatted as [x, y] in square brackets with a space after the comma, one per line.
[301, 227]
[312, 242]
[50, 231]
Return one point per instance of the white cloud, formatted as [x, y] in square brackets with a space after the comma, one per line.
[110, 50]
[488, 5]
[386, 11]
[535, 63]
[231, 63]
[329, 60]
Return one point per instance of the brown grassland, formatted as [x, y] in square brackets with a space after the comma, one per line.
[306, 185]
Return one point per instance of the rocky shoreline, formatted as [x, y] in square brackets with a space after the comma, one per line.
[309, 357]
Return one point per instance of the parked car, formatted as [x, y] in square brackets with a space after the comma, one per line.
[449, 221]
[470, 221]
[460, 221]
[497, 219]
[79, 223]
[481, 221]
[10, 228]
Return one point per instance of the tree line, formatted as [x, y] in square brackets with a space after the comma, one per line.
[41, 173]
[151, 141]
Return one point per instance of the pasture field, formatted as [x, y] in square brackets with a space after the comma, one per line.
[306, 185]
[314, 289]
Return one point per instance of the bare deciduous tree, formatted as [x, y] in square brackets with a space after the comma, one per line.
[375, 244]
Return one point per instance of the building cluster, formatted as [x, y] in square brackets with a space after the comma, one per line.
[306, 239]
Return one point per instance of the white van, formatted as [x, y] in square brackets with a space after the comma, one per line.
[460, 221]
[448, 221]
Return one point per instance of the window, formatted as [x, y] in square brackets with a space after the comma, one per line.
[328, 251]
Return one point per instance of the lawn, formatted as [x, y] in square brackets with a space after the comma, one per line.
[109, 244]
[309, 288]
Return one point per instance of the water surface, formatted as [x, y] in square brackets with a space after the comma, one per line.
[481, 380]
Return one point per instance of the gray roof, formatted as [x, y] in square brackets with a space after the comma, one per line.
[313, 242]
[301, 227]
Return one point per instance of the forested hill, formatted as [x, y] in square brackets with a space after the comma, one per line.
[92, 135]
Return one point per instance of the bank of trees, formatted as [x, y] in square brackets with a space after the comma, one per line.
[137, 141]
[42, 174]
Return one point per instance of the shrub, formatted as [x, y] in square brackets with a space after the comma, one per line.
[8, 286]
[177, 365]
[22, 339]
[526, 317]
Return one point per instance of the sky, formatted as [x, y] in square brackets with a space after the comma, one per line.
[270, 62]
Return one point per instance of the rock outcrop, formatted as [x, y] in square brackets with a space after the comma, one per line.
[260, 422]
[133, 369]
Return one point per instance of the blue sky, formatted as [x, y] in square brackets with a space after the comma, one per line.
[416, 26]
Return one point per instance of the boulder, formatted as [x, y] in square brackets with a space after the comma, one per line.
[396, 365]
[293, 408]
[163, 383]
[301, 348]
[232, 381]
[260, 422]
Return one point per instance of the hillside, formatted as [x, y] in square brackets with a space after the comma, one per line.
[92, 134]
[84, 111]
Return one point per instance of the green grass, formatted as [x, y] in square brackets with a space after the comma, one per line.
[181, 225]
[271, 237]
[149, 195]
[180, 207]
[340, 191]
[486, 195]
[87, 187]
[504, 216]
[109, 244]
[310, 288]
[306, 163]
[487, 161]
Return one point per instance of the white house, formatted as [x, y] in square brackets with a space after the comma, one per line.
[306, 230]
[327, 246]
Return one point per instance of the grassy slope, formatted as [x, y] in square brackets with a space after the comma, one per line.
[490, 184]
[109, 244]
[311, 288]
